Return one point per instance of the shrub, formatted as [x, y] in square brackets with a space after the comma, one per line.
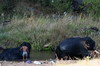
[93, 7]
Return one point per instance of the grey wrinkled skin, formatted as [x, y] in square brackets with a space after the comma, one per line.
[75, 47]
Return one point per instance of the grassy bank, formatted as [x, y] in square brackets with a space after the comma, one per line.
[40, 31]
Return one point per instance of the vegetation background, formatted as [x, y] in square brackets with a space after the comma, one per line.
[46, 22]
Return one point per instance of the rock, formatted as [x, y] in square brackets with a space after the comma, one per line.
[28, 61]
[94, 29]
[46, 45]
[6, 22]
[37, 62]
[52, 62]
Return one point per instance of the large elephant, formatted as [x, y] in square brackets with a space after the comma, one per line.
[16, 53]
[77, 47]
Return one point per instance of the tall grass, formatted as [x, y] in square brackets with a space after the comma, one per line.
[93, 7]
[40, 31]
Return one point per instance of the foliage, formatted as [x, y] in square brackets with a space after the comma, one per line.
[40, 31]
[12, 7]
[7, 7]
[93, 7]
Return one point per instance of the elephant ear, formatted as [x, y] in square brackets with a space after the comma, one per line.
[90, 42]
[85, 44]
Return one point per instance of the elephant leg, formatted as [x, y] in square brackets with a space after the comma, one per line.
[85, 54]
[58, 56]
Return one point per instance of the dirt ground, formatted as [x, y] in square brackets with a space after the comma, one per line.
[86, 62]
[12, 63]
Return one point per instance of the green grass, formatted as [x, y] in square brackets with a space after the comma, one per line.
[93, 7]
[40, 31]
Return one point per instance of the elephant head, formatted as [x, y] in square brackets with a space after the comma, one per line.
[90, 43]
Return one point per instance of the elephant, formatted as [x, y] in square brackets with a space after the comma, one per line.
[75, 48]
[11, 54]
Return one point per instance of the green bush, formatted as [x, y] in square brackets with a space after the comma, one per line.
[53, 5]
[12, 7]
[6, 8]
[93, 7]
[61, 5]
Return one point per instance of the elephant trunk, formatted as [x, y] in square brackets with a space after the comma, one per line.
[95, 53]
